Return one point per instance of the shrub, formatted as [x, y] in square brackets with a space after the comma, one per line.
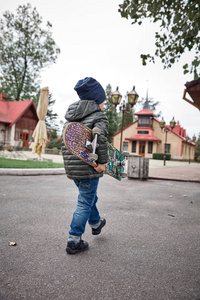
[161, 156]
[54, 144]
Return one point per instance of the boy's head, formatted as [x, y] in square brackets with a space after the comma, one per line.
[90, 89]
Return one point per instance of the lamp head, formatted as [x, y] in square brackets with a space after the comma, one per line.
[133, 97]
[162, 123]
[172, 123]
[116, 97]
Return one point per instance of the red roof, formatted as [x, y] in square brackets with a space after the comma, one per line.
[11, 111]
[143, 137]
[145, 112]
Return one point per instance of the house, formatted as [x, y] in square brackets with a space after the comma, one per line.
[144, 137]
[193, 90]
[18, 120]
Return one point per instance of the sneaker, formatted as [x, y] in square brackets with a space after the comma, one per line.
[98, 229]
[73, 248]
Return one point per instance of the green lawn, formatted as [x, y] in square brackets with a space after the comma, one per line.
[27, 164]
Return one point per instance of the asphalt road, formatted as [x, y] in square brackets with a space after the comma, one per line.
[149, 249]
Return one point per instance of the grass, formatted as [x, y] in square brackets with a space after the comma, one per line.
[28, 164]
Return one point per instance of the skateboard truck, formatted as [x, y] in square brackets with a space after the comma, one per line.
[120, 163]
[92, 146]
[124, 164]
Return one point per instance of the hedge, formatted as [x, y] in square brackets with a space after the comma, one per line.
[161, 156]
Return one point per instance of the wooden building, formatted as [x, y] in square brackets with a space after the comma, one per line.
[18, 120]
[144, 137]
[193, 90]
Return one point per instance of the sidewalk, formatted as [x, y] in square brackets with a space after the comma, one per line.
[173, 170]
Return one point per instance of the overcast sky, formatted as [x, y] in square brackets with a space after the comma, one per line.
[95, 41]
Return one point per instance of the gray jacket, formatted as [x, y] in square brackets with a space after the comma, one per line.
[88, 113]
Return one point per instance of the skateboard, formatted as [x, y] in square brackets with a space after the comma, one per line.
[81, 141]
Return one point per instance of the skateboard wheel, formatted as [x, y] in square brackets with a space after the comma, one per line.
[123, 175]
[125, 154]
[96, 130]
[93, 156]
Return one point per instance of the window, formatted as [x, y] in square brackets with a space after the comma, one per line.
[167, 148]
[145, 121]
[150, 147]
[125, 146]
[18, 134]
[133, 146]
[143, 132]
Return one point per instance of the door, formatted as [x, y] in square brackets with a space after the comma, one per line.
[142, 149]
[25, 139]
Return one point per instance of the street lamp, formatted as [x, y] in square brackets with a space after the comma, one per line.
[116, 99]
[133, 97]
[194, 139]
[166, 129]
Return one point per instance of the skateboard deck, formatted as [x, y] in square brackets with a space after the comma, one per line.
[81, 141]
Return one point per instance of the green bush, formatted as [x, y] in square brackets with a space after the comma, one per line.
[161, 156]
[54, 144]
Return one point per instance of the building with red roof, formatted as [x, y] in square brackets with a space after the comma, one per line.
[18, 120]
[144, 137]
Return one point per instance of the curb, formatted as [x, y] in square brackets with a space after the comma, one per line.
[174, 179]
[32, 172]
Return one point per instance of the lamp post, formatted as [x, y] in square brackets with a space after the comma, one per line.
[166, 129]
[116, 99]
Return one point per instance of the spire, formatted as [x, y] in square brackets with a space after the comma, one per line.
[146, 104]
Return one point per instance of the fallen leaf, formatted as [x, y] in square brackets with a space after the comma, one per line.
[170, 215]
[12, 244]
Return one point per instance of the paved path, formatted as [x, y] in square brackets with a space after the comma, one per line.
[148, 250]
[174, 170]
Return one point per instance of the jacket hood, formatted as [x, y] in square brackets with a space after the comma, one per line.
[81, 109]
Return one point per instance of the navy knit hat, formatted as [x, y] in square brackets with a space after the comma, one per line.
[90, 89]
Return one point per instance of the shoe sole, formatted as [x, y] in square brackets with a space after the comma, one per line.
[71, 251]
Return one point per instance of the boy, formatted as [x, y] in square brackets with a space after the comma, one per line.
[88, 110]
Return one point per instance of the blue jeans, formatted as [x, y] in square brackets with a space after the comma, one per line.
[86, 209]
